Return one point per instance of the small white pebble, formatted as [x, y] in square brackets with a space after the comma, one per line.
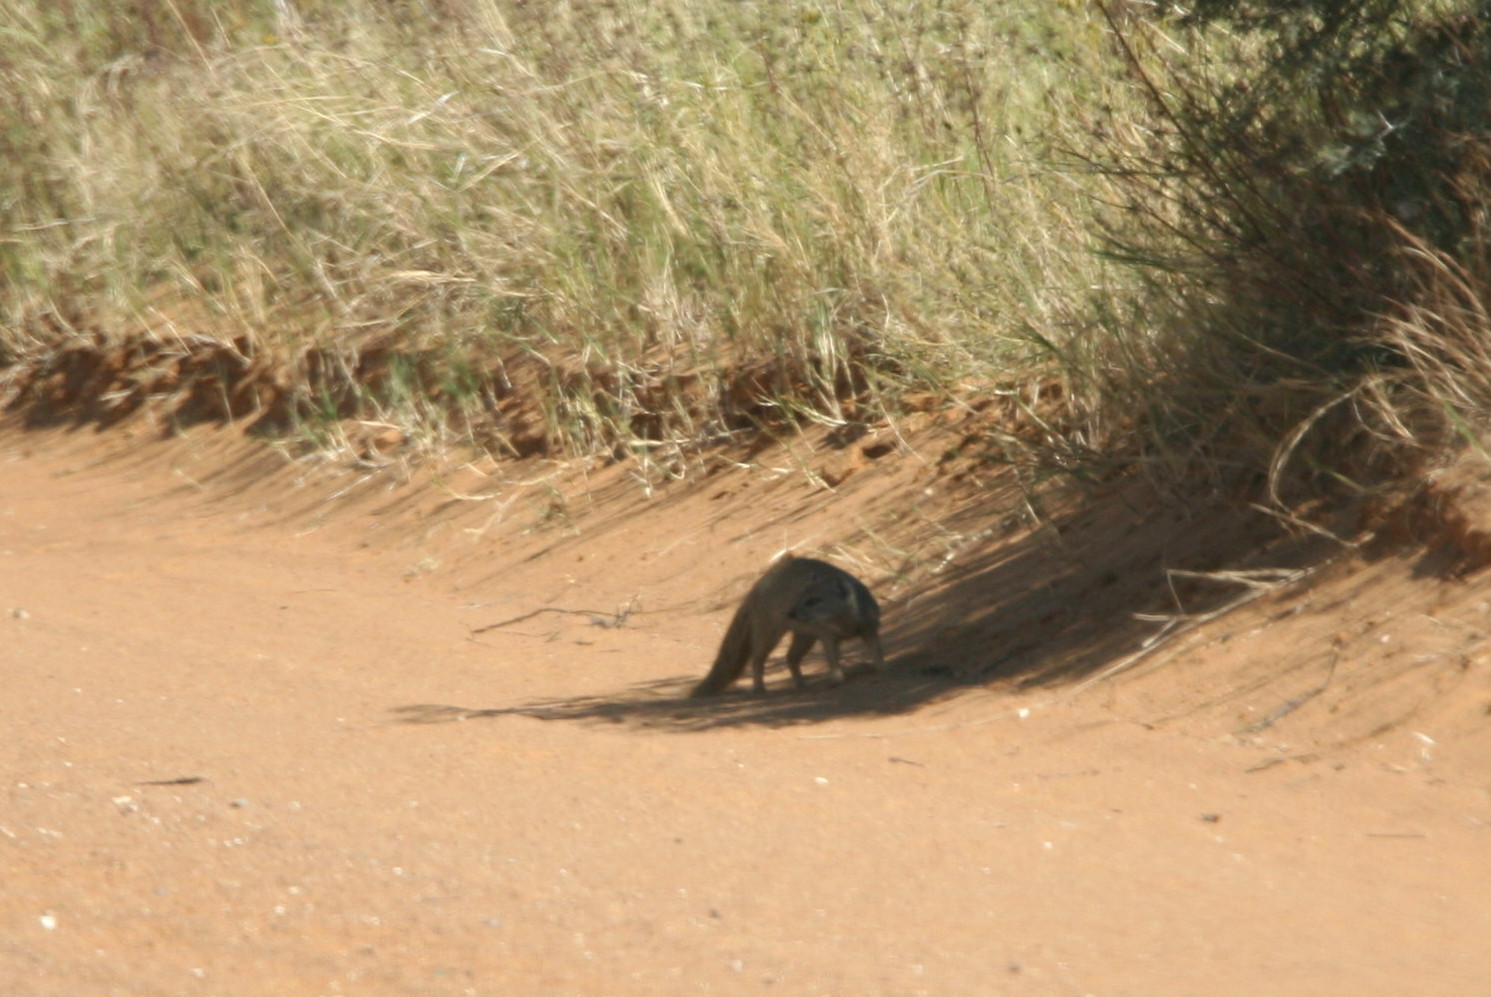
[48, 921]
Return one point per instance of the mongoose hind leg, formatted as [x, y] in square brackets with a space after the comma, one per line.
[760, 651]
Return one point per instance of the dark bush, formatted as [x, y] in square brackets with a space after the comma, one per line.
[1310, 168]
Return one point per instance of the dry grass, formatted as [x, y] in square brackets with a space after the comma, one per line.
[570, 226]
[643, 228]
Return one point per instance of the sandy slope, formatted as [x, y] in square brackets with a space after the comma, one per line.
[275, 729]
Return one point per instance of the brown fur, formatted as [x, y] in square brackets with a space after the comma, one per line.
[814, 600]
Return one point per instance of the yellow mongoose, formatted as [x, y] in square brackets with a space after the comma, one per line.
[813, 599]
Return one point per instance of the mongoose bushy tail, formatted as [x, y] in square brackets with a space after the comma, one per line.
[730, 662]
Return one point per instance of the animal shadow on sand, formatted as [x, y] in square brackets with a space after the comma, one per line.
[1046, 609]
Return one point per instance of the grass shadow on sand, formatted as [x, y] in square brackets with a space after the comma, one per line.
[1046, 609]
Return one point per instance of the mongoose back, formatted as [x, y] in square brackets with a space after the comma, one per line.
[813, 599]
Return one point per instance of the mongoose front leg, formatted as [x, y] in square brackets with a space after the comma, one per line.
[831, 652]
[802, 643]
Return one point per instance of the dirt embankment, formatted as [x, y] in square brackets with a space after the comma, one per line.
[280, 727]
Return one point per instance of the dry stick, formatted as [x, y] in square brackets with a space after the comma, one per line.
[1298, 701]
[1259, 582]
[597, 617]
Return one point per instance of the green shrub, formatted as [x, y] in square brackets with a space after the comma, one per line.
[1315, 174]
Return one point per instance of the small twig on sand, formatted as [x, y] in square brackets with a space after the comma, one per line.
[1298, 701]
[596, 617]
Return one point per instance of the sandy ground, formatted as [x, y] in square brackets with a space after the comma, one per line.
[274, 727]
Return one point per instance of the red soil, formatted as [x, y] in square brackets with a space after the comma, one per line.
[274, 728]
